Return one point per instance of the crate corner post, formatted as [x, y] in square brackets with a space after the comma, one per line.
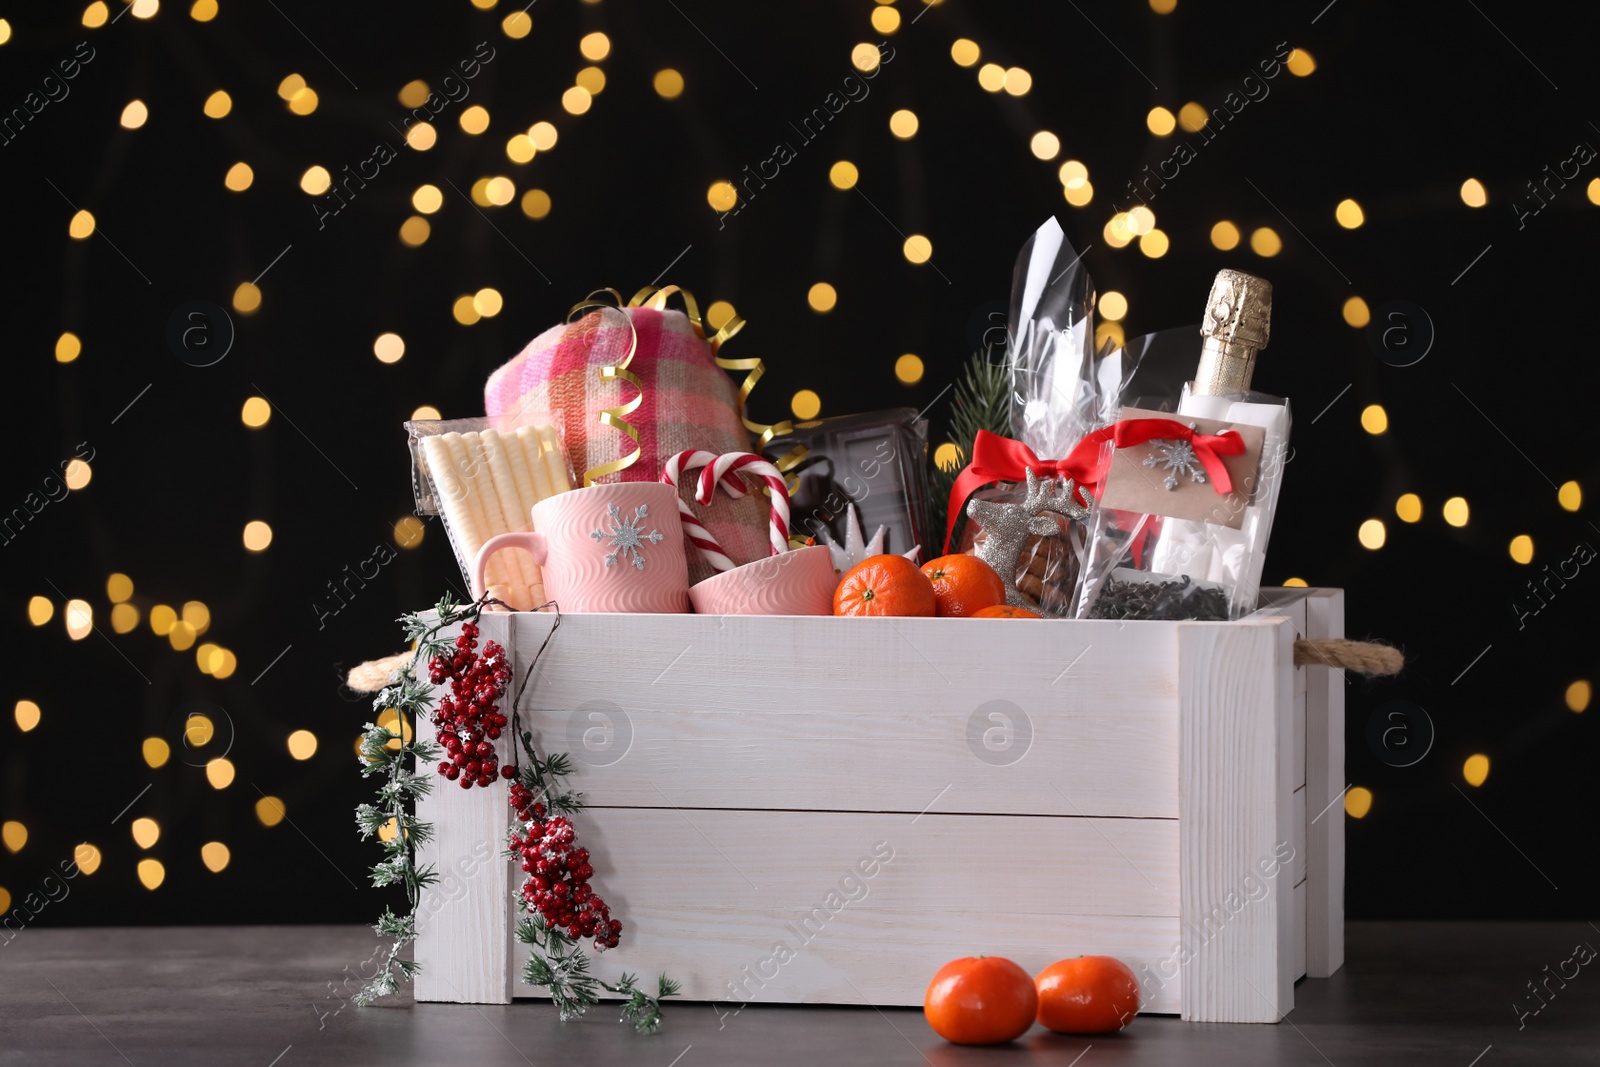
[1325, 786]
[1236, 733]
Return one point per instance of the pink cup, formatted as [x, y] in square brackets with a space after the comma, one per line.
[605, 548]
[800, 582]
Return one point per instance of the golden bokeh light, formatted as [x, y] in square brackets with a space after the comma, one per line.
[1117, 233]
[197, 615]
[1045, 145]
[992, 77]
[257, 536]
[421, 136]
[316, 180]
[1141, 220]
[1408, 507]
[885, 20]
[719, 314]
[1522, 548]
[77, 474]
[965, 52]
[488, 302]
[908, 369]
[256, 412]
[475, 119]
[947, 457]
[27, 714]
[1073, 174]
[413, 93]
[595, 46]
[464, 311]
[1578, 695]
[1193, 117]
[1018, 81]
[1078, 195]
[1372, 534]
[427, 199]
[290, 85]
[408, 532]
[822, 297]
[805, 404]
[1265, 242]
[40, 610]
[119, 587]
[14, 834]
[576, 100]
[1294, 583]
[220, 772]
[1476, 769]
[1109, 331]
[536, 203]
[1163, 7]
[270, 811]
[239, 177]
[415, 231]
[95, 15]
[722, 196]
[1473, 194]
[499, 191]
[134, 115]
[81, 226]
[87, 857]
[155, 751]
[1160, 121]
[592, 80]
[1356, 312]
[215, 855]
[302, 744]
[1455, 511]
[516, 25]
[843, 174]
[151, 873]
[218, 104]
[426, 412]
[1300, 63]
[1374, 419]
[203, 10]
[1349, 214]
[917, 249]
[146, 832]
[543, 135]
[865, 57]
[667, 83]
[520, 149]
[181, 637]
[304, 102]
[162, 620]
[1570, 496]
[1357, 802]
[246, 298]
[1154, 244]
[903, 124]
[79, 617]
[389, 347]
[1225, 236]
[68, 347]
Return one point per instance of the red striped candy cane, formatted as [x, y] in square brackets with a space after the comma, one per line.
[693, 529]
[734, 463]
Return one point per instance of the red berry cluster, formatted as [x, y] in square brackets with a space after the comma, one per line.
[558, 874]
[468, 719]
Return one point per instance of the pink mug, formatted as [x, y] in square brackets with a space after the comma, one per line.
[800, 582]
[605, 548]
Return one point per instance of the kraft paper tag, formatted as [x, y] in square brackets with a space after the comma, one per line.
[1139, 475]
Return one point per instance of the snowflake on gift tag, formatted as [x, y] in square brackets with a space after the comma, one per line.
[627, 536]
[1177, 458]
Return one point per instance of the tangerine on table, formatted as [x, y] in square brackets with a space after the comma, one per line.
[1004, 611]
[1087, 995]
[884, 585]
[964, 584]
[981, 1000]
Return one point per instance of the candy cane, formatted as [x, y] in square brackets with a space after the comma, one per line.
[732, 463]
[693, 529]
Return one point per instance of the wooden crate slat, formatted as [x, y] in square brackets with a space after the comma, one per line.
[1325, 784]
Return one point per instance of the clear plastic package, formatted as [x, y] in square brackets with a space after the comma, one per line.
[482, 482]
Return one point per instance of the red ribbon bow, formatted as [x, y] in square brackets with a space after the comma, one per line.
[1000, 459]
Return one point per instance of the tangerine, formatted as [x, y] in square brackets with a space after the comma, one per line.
[884, 585]
[963, 584]
[1004, 611]
[1087, 995]
[981, 1000]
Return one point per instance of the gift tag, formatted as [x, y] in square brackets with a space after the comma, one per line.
[1166, 476]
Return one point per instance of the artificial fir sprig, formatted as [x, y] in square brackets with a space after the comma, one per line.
[982, 401]
[559, 964]
[388, 754]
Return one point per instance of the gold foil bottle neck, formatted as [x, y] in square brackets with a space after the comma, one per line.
[1236, 326]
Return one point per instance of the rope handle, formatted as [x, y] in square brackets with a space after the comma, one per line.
[1364, 657]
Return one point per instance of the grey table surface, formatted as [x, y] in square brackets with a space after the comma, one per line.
[1409, 994]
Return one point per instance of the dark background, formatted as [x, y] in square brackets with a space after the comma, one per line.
[1405, 103]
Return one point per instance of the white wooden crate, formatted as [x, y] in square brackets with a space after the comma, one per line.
[822, 810]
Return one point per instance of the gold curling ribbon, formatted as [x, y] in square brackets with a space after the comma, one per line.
[657, 299]
[617, 417]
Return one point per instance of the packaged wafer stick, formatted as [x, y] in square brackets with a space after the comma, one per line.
[482, 482]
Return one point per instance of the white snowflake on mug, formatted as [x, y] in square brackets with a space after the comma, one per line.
[1177, 458]
[627, 536]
